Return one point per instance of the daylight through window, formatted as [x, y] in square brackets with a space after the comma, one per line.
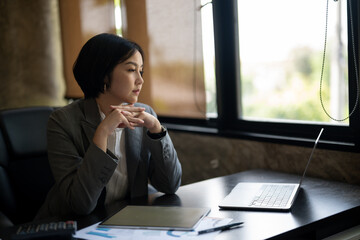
[281, 49]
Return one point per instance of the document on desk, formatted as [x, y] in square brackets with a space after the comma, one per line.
[157, 217]
[94, 232]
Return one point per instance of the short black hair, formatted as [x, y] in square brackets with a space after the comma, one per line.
[98, 58]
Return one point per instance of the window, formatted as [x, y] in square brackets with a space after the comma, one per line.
[252, 68]
[208, 57]
[177, 37]
[281, 56]
[239, 114]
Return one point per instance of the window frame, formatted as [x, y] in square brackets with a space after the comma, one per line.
[227, 124]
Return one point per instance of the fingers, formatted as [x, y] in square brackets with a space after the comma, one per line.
[130, 108]
[133, 119]
[131, 114]
[125, 121]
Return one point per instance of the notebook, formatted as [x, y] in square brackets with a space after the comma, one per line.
[157, 217]
[265, 196]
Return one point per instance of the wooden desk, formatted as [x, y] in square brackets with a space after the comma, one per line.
[321, 209]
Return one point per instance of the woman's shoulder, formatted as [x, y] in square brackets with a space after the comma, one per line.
[73, 110]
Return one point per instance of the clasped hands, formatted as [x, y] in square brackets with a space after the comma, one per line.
[122, 116]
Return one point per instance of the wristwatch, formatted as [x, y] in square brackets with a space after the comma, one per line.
[157, 135]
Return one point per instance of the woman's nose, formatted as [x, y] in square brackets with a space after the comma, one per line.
[139, 79]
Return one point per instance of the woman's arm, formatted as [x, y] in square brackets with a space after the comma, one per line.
[164, 169]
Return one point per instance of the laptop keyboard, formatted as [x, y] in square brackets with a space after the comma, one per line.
[273, 195]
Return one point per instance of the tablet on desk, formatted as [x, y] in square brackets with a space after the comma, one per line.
[157, 217]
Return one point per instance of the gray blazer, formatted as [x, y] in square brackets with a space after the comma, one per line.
[82, 170]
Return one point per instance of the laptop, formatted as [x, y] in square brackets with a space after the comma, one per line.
[265, 196]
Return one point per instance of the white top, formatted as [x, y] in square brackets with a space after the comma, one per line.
[117, 186]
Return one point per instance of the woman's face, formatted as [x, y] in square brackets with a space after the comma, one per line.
[126, 80]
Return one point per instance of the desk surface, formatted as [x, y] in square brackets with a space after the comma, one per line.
[321, 209]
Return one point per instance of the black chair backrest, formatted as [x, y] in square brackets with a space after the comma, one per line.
[25, 171]
[7, 201]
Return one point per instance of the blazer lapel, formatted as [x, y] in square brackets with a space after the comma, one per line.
[92, 118]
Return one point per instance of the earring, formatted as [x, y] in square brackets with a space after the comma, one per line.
[106, 83]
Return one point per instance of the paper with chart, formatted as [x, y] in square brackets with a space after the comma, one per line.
[94, 233]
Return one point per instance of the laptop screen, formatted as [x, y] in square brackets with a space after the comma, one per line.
[312, 152]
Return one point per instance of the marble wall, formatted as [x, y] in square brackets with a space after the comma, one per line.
[31, 67]
[204, 156]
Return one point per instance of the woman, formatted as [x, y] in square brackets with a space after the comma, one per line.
[107, 144]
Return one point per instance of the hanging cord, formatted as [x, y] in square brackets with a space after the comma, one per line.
[355, 65]
[196, 10]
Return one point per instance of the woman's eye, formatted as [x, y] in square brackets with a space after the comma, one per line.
[141, 73]
[131, 70]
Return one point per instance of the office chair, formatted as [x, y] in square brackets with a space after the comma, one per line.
[6, 197]
[25, 175]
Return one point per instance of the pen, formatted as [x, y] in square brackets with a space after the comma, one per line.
[224, 227]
